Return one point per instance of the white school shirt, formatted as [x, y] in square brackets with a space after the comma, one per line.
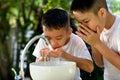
[111, 38]
[75, 47]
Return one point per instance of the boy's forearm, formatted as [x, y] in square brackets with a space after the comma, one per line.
[110, 55]
[83, 64]
[97, 57]
[39, 59]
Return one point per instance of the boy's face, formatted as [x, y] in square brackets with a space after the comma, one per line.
[57, 38]
[90, 20]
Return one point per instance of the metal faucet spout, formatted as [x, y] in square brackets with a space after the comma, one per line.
[26, 48]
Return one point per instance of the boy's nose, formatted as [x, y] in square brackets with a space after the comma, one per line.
[54, 44]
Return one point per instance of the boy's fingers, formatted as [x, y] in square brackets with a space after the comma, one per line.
[83, 36]
[86, 28]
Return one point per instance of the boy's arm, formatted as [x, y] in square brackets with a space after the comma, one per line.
[93, 39]
[98, 58]
[39, 59]
[111, 56]
[84, 64]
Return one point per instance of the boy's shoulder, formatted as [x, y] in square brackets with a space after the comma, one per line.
[75, 38]
[117, 20]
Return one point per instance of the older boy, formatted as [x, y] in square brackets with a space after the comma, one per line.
[101, 29]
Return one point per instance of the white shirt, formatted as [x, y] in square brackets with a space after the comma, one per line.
[111, 38]
[75, 47]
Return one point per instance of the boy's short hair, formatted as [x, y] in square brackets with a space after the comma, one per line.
[88, 5]
[55, 19]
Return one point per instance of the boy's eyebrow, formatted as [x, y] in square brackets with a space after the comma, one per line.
[84, 19]
[56, 36]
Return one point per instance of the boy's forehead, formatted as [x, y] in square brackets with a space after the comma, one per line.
[78, 13]
[46, 28]
[54, 28]
[53, 33]
[82, 16]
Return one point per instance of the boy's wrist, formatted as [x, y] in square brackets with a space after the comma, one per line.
[40, 59]
[97, 45]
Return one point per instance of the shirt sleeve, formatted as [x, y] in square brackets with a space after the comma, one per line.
[40, 45]
[82, 50]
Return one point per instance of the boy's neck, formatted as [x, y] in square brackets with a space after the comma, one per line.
[110, 20]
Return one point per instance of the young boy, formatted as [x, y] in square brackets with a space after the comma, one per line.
[101, 30]
[65, 44]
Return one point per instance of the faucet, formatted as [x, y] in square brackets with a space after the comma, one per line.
[21, 73]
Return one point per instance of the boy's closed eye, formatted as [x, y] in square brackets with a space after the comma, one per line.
[59, 38]
[86, 21]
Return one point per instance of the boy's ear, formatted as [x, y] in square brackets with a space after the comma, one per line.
[70, 31]
[102, 12]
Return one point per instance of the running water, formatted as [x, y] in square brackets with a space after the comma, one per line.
[50, 59]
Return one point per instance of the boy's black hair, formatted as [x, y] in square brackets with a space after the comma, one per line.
[55, 19]
[88, 5]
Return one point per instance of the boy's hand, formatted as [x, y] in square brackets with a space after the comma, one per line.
[89, 36]
[45, 54]
[56, 53]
